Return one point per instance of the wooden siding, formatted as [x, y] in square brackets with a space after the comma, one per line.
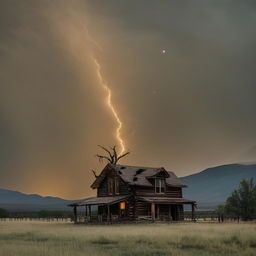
[141, 209]
[103, 188]
[173, 192]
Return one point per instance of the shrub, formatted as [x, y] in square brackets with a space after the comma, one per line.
[4, 213]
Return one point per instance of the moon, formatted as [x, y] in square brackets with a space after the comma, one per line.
[163, 51]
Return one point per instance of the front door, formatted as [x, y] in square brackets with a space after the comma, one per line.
[157, 212]
[174, 212]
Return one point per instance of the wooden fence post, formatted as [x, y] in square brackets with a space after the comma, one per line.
[193, 212]
[75, 214]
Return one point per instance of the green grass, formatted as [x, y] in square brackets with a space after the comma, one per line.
[36, 238]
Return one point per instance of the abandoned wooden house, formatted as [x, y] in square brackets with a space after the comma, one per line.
[130, 193]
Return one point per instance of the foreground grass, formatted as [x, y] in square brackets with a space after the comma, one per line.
[40, 238]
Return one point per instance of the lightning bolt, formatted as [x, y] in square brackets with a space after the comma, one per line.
[110, 105]
[109, 94]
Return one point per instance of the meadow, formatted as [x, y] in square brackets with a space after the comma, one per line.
[27, 238]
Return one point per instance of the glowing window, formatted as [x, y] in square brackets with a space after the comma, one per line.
[122, 205]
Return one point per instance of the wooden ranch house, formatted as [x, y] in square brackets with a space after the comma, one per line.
[131, 193]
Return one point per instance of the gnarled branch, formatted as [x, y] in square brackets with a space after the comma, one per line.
[112, 157]
[94, 173]
[103, 157]
[123, 155]
[109, 153]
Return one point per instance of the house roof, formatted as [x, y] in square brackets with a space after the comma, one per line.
[100, 200]
[139, 176]
[166, 200]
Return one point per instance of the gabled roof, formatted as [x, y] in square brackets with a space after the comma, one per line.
[139, 176]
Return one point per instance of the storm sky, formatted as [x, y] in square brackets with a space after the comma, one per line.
[187, 109]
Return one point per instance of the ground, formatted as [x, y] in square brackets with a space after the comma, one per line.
[27, 238]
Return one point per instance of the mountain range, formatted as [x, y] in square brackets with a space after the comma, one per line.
[17, 201]
[209, 188]
[212, 186]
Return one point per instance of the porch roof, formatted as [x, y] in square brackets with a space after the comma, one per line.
[100, 200]
[166, 200]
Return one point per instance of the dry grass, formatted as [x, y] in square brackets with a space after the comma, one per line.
[40, 238]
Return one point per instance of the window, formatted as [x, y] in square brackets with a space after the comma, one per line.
[122, 205]
[113, 186]
[116, 185]
[159, 186]
[110, 186]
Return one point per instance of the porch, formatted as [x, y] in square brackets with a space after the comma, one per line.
[101, 210]
[165, 208]
[126, 209]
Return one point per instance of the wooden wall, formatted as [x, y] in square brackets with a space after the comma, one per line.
[174, 192]
[141, 209]
[103, 188]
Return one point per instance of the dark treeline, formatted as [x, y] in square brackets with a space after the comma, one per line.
[41, 214]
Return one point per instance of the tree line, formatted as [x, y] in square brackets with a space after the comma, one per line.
[241, 204]
[41, 214]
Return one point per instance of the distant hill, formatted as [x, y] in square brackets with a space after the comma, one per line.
[212, 186]
[17, 201]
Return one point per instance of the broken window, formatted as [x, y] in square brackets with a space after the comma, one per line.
[110, 186]
[116, 185]
[159, 186]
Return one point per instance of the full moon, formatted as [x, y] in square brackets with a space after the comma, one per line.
[163, 51]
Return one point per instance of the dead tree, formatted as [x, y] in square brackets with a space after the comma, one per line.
[112, 156]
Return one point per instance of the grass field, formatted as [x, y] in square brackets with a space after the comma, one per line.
[29, 238]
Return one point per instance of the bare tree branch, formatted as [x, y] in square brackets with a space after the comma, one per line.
[110, 154]
[113, 157]
[94, 173]
[103, 157]
[115, 154]
[123, 155]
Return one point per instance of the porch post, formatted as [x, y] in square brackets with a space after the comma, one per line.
[169, 212]
[75, 214]
[193, 212]
[86, 214]
[90, 212]
[108, 213]
[153, 211]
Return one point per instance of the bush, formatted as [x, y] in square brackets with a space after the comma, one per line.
[4, 213]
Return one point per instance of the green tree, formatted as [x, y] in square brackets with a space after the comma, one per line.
[242, 202]
[221, 212]
[3, 213]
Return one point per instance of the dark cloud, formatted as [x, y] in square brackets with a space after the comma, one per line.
[187, 109]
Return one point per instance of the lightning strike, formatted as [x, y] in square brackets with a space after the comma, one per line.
[109, 93]
[110, 105]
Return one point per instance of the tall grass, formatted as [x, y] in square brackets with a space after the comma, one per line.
[40, 238]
